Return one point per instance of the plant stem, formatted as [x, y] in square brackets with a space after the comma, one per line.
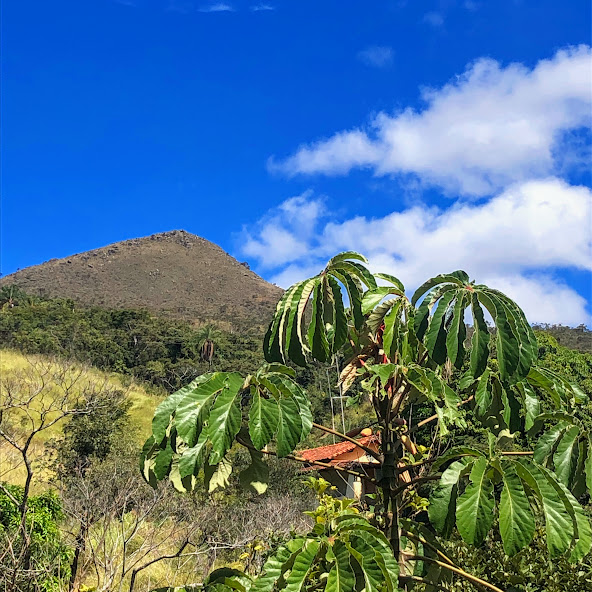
[435, 549]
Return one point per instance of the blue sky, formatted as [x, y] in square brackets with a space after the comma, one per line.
[430, 135]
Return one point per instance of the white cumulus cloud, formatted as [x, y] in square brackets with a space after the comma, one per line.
[517, 242]
[489, 127]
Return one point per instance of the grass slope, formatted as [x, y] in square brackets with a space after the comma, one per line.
[28, 372]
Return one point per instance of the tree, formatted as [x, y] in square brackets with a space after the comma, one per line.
[406, 355]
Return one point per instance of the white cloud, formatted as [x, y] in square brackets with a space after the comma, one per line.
[489, 127]
[378, 56]
[435, 19]
[517, 242]
[262, 7]
[285, 234]
[217, 7]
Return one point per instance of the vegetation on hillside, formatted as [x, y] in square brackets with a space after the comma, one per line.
[160, 351]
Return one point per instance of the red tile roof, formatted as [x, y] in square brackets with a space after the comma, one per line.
[334, 450]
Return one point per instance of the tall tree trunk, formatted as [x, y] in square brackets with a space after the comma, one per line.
[79, 549]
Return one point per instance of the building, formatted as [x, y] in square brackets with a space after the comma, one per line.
[346, 455]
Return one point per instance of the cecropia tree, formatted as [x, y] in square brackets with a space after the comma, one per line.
[404, 355]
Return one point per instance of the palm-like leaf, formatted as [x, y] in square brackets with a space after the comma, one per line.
[195, 427]
[448, 296]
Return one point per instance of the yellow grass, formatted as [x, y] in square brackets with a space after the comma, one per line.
[26, 374]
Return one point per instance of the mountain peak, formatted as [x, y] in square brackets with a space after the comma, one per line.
[174, 272]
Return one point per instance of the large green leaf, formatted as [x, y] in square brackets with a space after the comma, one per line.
[191, 459]
[340, 327]
[457, 333]
[458, 278]
[272, 342]
[507, 344]
[194, 407]
[527, 343]
[317, 334]
[558, 523]
[297, 305]
[545, 445]
[289, 427]
[225, 418]
[354, 293]
[373, 297]
[365, 555]
[355, 270]
[383, 553]
[483, 394]
[291, 389]
[162, 461]
[263, 419]
[475, 507]
[302, 565]
[479, 340]
[376, 317]
[442, 508]
[435, 338]
[276, 565]
[392, 279]
[166, 410]
[391, 328]
[255, 477]
[344, 256]
[581, 524]
[564, 458]
[341, 577]
[531, 403]
[217, 476]
[516, 522]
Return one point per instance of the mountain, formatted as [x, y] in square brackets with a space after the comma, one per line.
[176, 273]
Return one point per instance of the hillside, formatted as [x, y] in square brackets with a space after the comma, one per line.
[30, 371]
[176, 273]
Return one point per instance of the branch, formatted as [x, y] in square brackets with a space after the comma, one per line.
[149, 563]
[367, 450]
[308, 462]
[456, 570]
[423, 541]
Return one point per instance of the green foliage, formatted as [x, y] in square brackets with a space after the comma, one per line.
[412, 360]
[195, 428]
[43, 562]
[162, 351]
